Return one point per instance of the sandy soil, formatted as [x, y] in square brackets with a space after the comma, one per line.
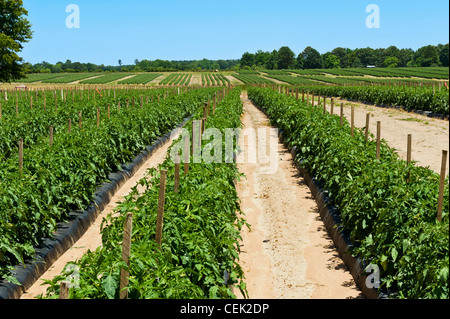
[91, 240]
[430, 136]
[196, 79]
[287, 254]
[234, 80]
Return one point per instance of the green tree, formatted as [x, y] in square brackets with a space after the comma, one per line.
[286, 58]
[405, 56]
[15, 30]
[342, 55]
[444, 54]
[390, 62]
[248, 59]
[332, 62]
[312, 59]
[427, 56]
[300, 62]
[272, 63]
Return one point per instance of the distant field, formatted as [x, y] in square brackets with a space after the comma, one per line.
[141, 78]
[293, 77]
[108, 78]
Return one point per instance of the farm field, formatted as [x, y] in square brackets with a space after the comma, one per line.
[124, 118]
[146, 156]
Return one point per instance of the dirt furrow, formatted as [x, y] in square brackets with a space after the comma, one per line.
[287, 253]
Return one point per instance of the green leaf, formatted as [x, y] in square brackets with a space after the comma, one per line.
[110, 285]
[394, 253]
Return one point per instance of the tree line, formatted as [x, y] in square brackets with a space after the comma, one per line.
[284, 58]
[138, 66]
[310, 58]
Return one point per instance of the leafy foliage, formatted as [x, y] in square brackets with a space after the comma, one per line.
[391, 222]
[63, 178]
[202, 226]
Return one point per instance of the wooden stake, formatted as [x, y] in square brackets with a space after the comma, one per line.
[126, 250]
[186, 155]
[409, 156]
[51, 135]
[177, 173]
[21, 154]
[79, 120]
[442, 185]
[98, 116]
[64, 290]
[342, 114]
[378, 139]
[367, 127]
[353, 120]
[161, 203]
[409, 150]
[70, 126]
[332, 106]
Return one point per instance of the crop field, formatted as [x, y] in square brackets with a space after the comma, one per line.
[182, 231]
[140, 79]
[214, 79]
[105, 79]
[177, 79]
[70, 78]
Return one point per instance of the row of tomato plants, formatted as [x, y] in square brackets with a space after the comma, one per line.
[30, 120]
[409, 98]
[198, 257]
[61, 178]
[391, 221]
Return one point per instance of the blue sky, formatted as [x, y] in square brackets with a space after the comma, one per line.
[185, 30]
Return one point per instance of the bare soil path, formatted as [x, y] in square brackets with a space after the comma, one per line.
[430, 136]
[287, 253]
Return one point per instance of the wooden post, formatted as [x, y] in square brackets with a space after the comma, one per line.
[21, 154]
[303, 95]
[409, 156]
[177, 173]
[332, 106]
[378, 139]
[186, 155]
[367, 127]
[161, 203]
[442, 185]
[70, 126]
[353, 120]
[324, 105]
[126, 250]
[409, 150]
[342, 114]
[312, 105]
[64, 290]
[51, 135]
[98, 116]
[79, 120]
